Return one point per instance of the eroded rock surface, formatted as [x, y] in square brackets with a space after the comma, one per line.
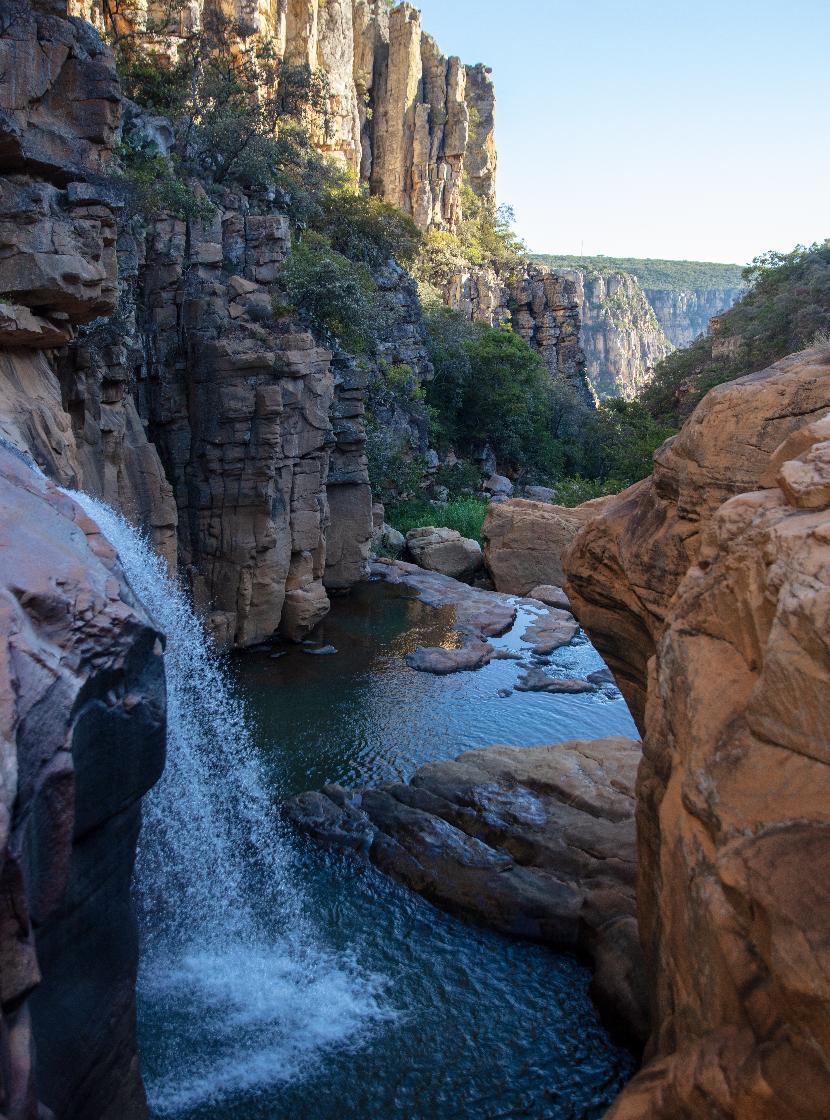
[536, 843]
[707, 588]
[82, 700]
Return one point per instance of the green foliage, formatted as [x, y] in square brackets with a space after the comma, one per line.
[441, 256]
[394, 472]
[464, 514]
[620, 440]
[575, 490]
[335, 293]
[491, 387]
[365, 228]
[654, 274]
[486, 234]
[786, 308]
[459, 480]
[154, 188]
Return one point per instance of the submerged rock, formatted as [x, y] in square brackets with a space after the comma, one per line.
[537, 843]
[537, 680]
[550, 631]
[435, 659]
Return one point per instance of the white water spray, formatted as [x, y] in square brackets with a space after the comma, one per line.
[239, 993]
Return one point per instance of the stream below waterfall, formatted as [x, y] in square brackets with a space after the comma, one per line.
[279, 981]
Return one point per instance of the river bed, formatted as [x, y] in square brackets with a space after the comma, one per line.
[452, 1021]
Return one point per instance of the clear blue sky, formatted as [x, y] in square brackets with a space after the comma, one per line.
[682, 129]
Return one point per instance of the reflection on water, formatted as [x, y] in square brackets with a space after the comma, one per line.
[361, 716]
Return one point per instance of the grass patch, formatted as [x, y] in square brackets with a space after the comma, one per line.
[464, 514]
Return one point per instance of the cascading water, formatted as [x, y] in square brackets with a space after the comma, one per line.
[232, 974]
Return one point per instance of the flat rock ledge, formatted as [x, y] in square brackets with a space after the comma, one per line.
[480, 614]
[537, 843]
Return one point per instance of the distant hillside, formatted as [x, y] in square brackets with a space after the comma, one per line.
[669, 276]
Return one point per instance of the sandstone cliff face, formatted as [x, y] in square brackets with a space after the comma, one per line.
[406, 120]
[684, 315]
[540, 305]
[83, 707]
[706, 588]
[259, 428]
[59, 108]
[620, 335]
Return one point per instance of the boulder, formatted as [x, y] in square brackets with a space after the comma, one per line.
[498, 485]
[552, 596]
[536, 843]
[539, 493]
[444, 551]
[524, 541]
[707, 586]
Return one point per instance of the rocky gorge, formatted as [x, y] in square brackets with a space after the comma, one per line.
[153, 364]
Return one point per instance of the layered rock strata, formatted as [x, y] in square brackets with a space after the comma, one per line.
[535, 843]
[83, 714]
[706, 587]
[544, 307]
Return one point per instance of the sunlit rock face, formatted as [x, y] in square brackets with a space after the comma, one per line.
[405, 120]
[706, 588]
[82, 702]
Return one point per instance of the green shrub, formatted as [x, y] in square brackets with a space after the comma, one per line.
[334, 292]
[786, 307]
[459, 479]
[465, 514]
[395, 473]
[575, 490]
[154, 186]
[365, 228]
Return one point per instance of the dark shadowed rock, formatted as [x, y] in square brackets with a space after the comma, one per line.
[82, 701]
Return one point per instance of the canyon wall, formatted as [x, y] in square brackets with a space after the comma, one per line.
[620, 335]
[683, 315]
[405, 120]
[544, 307]
[706, 588]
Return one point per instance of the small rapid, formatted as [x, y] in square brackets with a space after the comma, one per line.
[234, 976]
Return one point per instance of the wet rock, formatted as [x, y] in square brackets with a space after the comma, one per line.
[82, 702]
[550, 595]
[444, 551]
[471, 655]
[537, 843]
[601, 677]
[550, 631]
[537, 680]
[320, 651]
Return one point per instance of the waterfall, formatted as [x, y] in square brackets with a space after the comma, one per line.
[235, 990]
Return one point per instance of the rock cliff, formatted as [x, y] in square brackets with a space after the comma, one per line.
[683, 315]
[706, 589]
[405, 119]
[113, 330]
[544, 307]
[620, 334]
[83, 713]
